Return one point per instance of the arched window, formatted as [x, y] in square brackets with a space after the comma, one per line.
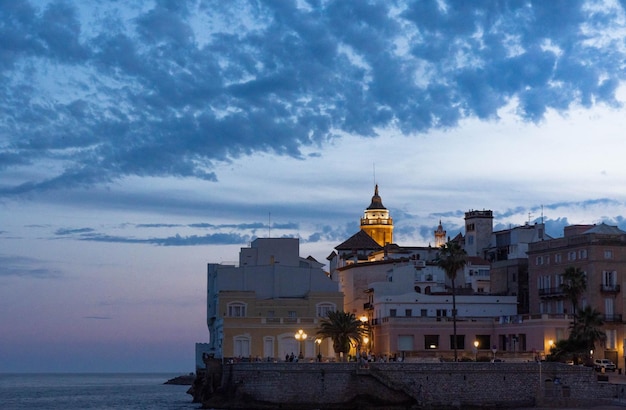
[241, 346]
[325, 307]
[237, 309]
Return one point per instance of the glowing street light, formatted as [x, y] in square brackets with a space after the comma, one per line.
[300, 337]
[476, 344]
[318, 342]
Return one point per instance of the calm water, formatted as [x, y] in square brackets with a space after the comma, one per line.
[92, 391]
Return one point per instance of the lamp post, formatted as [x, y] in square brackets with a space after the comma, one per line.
[300, 337]
[494, 349]
[476, 344]
[318, 342]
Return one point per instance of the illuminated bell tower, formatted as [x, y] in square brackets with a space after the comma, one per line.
[440, 236]
[376, 221]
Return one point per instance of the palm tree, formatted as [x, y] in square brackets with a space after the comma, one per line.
[574, 284]
[587, 328]
[344, 329]
[451, 259]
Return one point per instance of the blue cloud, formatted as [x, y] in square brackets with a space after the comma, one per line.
[148, 92]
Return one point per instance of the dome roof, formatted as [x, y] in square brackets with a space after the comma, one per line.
[377, 202]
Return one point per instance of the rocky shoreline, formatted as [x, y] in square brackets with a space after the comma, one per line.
[184, 380]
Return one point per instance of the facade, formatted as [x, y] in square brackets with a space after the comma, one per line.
[407, 322]
[255, 309]
[600, 252]
[507, 252]
[478, 230]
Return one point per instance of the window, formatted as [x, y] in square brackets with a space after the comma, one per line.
[557, 258]
[608, 278]
[271, 313]
[460, 342]
[431, 342]
[241, 346]
[324, 308]
[392, 312]
[484, 341]
[571, 255]
[582, 254]
[611, 339]
[442, 313]
[470, 239]
[608, 254]
[423, 312]
[408, 313]
[539, 260]
[237, 309]
[292, 314]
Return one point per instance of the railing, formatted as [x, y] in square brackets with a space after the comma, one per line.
[285, 320]
[368, 306]
[609, 288]
[547, 292]
[613, 318]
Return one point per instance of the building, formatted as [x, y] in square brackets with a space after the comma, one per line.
[478, 230]
[600, 252]
[507, 253]
[255, 308]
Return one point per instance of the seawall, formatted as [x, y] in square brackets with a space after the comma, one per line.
[403, 385]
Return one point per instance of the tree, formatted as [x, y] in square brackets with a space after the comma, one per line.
[574, 284]
[451, 259]
[344, 329]
[586, 330]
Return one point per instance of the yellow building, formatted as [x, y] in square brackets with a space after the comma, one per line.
[376, 221]
[255, 309]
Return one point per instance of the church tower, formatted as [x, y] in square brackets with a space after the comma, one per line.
[440, 236]
[376, 221]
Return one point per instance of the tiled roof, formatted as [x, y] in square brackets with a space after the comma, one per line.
[360, 240]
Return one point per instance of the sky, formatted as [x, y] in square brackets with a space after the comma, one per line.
[141, 140]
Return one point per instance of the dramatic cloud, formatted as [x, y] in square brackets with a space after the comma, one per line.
[173, 88]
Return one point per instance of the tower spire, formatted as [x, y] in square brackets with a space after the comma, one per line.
[376, 221]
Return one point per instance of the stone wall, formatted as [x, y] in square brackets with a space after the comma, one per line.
[404, 385]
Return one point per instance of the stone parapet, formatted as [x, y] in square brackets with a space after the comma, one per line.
[417, 385]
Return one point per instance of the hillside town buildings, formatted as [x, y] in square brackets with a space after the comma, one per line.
[508, 299]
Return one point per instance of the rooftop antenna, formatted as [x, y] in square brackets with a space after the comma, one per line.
[374, 168]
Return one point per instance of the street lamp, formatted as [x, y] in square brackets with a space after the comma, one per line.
[318, 342]
[300, 337]
[476, 344]
[494, 349]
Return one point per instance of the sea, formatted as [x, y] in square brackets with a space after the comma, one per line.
[73, 391]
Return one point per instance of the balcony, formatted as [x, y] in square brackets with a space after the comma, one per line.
[612, 318]
[368, 306]
[609, 288]
[551, 292]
